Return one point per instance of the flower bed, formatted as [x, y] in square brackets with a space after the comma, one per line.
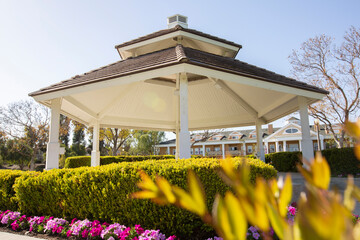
[80, 229]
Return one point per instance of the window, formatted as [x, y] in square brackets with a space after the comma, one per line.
[234, 137]
[191, 151]
[249, 149]
[271, 148]
[217, 149]
[196, 151]
[233, 148]
[174, 151]
[208, 149]
[291, 130]
[293, 147]
[201, 151]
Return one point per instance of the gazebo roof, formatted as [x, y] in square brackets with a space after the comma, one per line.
[176, 55]
[140, 92]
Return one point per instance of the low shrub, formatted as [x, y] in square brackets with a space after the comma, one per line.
[85, 161]
[7, 193]
[103, 193]
[284, 161]
[342, 161]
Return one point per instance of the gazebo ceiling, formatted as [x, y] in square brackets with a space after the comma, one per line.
[140, 92]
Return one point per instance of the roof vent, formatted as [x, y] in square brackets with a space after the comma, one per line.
[177, 20]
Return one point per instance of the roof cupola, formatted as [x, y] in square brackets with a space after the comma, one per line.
[177, 20]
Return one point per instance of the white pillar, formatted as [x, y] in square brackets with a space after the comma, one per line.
[184, 135]
[260, 146]
[284, 146]
[306, 142]
[223, 150]
[300, 148]
[95, 153]
[203, 146]
[244, 148]
[53, 146]
[322, 142]
[168, 150]
[277, 146]
[177, 116]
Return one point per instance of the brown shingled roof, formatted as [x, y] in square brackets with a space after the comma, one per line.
[174, 29]
[171, 56]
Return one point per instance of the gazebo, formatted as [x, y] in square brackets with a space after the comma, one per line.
[177, 79]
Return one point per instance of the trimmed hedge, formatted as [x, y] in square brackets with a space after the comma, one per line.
[341, 160]
[7, 193]
[85, 161]
[284, 161]
[103, 193]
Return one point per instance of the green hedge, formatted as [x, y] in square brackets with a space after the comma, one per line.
[284, 161]
[85, 161]
[7, 193]
[103, 193]
[341, 160]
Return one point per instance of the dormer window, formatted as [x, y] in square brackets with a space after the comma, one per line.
[291, 130]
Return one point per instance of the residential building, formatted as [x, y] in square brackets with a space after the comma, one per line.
[243, 142]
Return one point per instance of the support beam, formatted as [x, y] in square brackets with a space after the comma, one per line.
[284, 146]
[222, 85]
[260, 145]
[275, 104]
[53, 146]
[81, 106]
[95, 153]
[184, 135]
[203, 146]
[168, 151]
[306, 142]
[277, 146]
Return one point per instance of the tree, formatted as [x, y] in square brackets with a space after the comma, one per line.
[336, 69]
[29, 121]
[115, 138]
[18, 152]
[64, 133]
[146, 141]
[78, 142]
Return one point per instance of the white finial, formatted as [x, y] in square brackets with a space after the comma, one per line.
[177, 20]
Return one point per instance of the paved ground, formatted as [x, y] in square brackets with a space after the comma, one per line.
[339, 183]
[12, 236]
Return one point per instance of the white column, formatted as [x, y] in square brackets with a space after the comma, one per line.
[95, 153]
[203, 146]
[53, 146]
[168, 150]
[300, 148]
[177, 115]
[223, 150]
[260, 146]
[306, 142]
[244, 148]
[277, 146]
[284, 146]
[322, 143]
[184, 135]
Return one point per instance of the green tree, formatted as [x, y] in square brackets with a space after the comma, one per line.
[115, 138]
[29, 121]
[18, 152]
[78, 141]
[146, 141]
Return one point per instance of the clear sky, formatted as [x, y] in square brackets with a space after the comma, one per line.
[44, 42]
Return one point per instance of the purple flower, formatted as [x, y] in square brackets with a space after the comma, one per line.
[256, 235]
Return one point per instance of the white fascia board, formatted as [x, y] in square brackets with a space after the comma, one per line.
[136, 77]
[218, 74]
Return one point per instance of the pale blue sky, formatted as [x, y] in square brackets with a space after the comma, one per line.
[44, 42]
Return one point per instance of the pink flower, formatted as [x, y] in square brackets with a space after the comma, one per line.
[68, 234]
[59, 229]
[139, 229]
[85, 233]
[292, 210]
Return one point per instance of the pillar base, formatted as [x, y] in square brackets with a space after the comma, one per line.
[95, 158]
[52, 155]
